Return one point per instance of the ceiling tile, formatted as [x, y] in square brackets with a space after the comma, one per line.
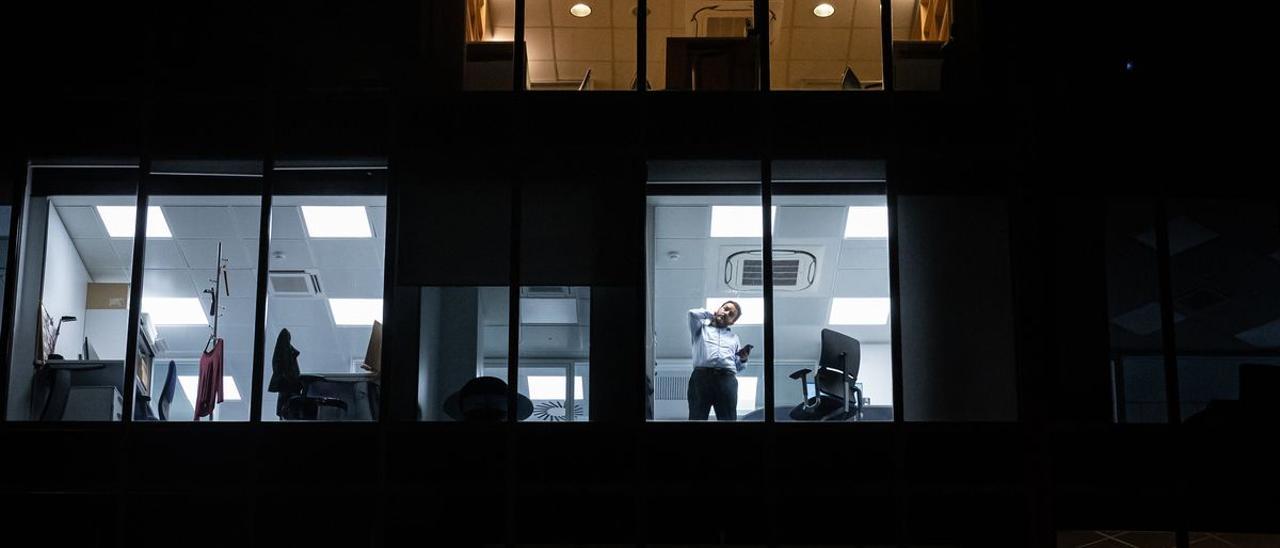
[540, 44]
[378, 219]
[352, 283]
[862, 283]
[299, 311]
[98, 254]
[583, 44]
[679, 283]
[856, 256]
[163, 253]
[81, 222]
[1266, 335]
[865, 45]
[247, 220]
[661, 15]
[869, 12]
[623, 15]
[348, 253]
[124, 250]
[168, 283]
[537, 13]
[691, 253]
[200, 221]
[797, 311]
[682, 221]
[810, 222]
[236, 310]
[542, 71]
[624, 46]
[286, 223]
[296, 255]
[242, 281]
[819, 44]
[502, 12]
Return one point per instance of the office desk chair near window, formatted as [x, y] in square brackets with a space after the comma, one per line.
[837, 396]
[851, 81]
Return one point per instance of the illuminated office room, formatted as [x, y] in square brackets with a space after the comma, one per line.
[831, 306]
[195, 342]
[703, 44]
[465, 335]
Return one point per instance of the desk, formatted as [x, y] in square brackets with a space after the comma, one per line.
[360, 391]
[52, 383]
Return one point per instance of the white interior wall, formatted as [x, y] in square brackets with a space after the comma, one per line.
[66, 282]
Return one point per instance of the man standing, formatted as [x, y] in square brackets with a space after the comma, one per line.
[717, 359]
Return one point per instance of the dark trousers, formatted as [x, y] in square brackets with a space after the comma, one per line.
[709, 388]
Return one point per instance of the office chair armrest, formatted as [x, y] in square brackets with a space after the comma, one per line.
[800, 374]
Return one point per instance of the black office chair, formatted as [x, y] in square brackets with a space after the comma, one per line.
[851, 81]
[838, 397]
[166, 393]
[293, 403]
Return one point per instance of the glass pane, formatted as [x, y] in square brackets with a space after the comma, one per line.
[580, 45]
[920, 30]
[1133, 302]
[831, 308]
[490, 45]
[198, 247]
[463, 337]
[324, 308]
[1225, 260]
[1115, 539]
[826, 45]
[83, 247]
[555, 346]
[703, 45]
[705, 306]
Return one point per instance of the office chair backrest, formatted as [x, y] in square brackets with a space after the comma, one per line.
[586, 80]
[850, 80]
[831, 368]
[166, 392]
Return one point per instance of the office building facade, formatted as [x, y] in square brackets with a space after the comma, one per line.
[1033, 305]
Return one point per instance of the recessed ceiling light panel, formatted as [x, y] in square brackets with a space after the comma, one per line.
[873, 311]
[175, 310]
[867, 222]
[337, 221]
[119, 221]
[353, 312]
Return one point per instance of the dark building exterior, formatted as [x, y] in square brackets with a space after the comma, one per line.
[1080, 264]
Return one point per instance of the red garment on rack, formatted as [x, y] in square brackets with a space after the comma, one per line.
[210, 385]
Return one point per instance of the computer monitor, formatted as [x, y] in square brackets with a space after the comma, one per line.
[373, 352]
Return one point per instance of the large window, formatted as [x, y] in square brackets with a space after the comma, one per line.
[706, 302]
[198, 306]
[71, 318]
[826, 45]
[324, 308]
[463, 336]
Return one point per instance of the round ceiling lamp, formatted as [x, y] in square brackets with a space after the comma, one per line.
[580, 10]
[824, 10]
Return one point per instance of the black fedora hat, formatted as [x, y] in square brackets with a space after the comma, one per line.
[485, 399]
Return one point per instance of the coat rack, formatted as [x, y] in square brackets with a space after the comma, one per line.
[221, 285]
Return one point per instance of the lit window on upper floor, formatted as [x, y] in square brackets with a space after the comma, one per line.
[825, 45]
[921, 28]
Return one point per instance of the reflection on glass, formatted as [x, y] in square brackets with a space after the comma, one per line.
[463, 338]
[704, 45]
[706, 308]
[920, 30]
[5, 213]
[81, 316]
[580, 45]
[1224, 263]
[1140, 539]
[826, 45]
[324, 308]
[831, 304]
[192, 354]
[555, 346]
[1133, 302]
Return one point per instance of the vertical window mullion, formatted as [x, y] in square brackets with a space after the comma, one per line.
[886, 44]
[762, 34]
[766, 208]
[642, 44]
[135, 288]
[260, 291]
[518, 68]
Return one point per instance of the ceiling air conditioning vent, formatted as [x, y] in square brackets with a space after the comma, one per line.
[793, 270]
[293, 283]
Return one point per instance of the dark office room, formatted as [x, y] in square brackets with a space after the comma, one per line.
[674, 273]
